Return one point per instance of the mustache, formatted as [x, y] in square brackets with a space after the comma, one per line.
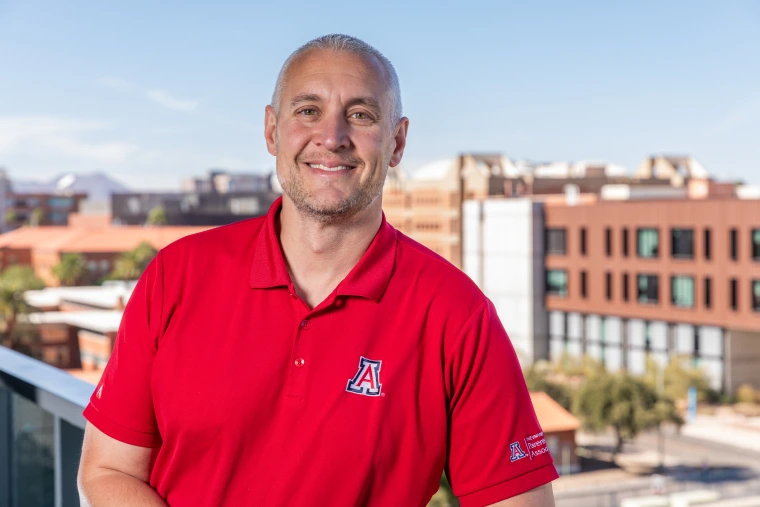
[351, 161]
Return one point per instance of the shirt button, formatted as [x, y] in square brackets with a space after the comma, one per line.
[299, 362]
[305, 324]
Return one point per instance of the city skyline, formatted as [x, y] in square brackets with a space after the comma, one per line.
[154, 94]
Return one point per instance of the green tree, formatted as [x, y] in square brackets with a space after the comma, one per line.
[627, 404]
[38, 216]
[131, 264]
[14, 281]
[677, 377]
[10, 217]
[537, 379]
[157, 216]
[71, 269]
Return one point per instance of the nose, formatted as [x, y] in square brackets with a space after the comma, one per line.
[332, 133]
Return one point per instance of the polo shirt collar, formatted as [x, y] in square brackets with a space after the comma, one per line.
[368, 278]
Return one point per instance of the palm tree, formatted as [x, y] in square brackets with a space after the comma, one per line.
[70, 270]
[157, 216]
[131, 264]
[14, 281]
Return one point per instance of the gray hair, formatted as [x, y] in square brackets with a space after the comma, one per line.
[340, 42]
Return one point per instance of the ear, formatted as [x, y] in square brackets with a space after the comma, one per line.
[270, 130]
[399, 136]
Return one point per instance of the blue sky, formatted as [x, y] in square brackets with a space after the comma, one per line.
[153, 92]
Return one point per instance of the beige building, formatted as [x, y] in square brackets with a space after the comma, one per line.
[426, 203]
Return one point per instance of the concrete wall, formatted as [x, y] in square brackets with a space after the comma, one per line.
[742, 359]
[503, 254]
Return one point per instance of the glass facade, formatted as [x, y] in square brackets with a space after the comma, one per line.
[647, 243]
[756, 244]
[682, 291]
[32, 455]
[556, 282]
[648, 288]
[60, 202]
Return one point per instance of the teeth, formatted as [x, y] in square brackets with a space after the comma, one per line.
[325, 168]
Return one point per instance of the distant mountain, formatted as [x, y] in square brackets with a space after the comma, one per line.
[98, 186]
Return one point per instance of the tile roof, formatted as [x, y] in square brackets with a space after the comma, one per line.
[93, 239]
[551, 416]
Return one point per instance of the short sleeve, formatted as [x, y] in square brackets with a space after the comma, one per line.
[122, 404]
[497, 449]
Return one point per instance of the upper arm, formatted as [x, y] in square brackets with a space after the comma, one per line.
[103, 454]
[496, 450]
[542, 496]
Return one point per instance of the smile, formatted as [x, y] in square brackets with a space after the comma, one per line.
[323, 167]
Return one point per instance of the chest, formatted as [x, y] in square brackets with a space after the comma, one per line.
[270, 371]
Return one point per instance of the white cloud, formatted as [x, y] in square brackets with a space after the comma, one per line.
[160, 97]
[168, 101]
[32, 134]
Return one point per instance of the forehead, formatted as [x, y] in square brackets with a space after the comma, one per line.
[327, 72]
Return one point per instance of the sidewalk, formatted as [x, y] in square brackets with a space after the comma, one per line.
[726, 428]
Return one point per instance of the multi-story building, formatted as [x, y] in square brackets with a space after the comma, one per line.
[190, 208]
[626, 275]
[427, 203]
[39, 208]
[224, 182]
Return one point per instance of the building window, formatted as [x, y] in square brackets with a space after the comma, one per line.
[584, 292]
[647, 243]
[707, 244]
[732, 244]
[756, 295]
[608, 285]
[756, 244]
[682, 291]
[608, 241]
[60, 202]
[682, 243]
[556, 282]
[625, 286]
[708, 292]
[555, 241]
[625, 242]
[733, 289]
[648, 290]
[583, 241]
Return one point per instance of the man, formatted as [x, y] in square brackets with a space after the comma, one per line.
[314, 356]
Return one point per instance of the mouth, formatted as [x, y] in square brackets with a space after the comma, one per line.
[330, 168]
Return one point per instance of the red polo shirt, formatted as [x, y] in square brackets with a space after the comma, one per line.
[254, 399]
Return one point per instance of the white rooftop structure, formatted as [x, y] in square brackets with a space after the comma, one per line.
[109, 295]
[100, 321]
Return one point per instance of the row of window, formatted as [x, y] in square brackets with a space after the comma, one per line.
[648, 242]
[648, 289]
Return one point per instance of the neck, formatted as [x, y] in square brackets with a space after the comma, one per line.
[320, 255]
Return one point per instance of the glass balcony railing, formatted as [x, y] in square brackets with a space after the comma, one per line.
[41, 432]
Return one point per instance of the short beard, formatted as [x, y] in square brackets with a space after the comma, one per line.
[341, 212]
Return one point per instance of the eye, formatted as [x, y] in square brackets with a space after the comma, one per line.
[308, 111]
[360, 115]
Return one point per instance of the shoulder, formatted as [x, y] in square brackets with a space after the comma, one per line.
[218, 240]
[436, 278]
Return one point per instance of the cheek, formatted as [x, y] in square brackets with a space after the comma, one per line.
[293, 138]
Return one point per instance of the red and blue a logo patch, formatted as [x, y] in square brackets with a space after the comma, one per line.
[367, 379]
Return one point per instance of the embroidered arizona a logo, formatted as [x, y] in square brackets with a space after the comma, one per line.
[517, 453]
[367, 379]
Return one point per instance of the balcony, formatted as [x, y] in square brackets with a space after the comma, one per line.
[41, 432]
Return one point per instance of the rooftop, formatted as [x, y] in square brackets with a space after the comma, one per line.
[93, 239]
[551, 416]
